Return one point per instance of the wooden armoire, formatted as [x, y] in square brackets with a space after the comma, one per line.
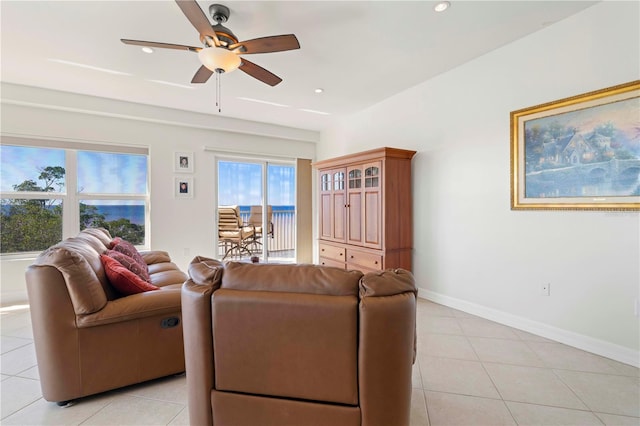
[365, 210]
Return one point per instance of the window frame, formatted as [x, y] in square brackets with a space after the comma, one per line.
[71, 198]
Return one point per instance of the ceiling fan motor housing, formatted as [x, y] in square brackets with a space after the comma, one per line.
[219, 13]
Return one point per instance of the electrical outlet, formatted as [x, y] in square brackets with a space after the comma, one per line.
[545, 289]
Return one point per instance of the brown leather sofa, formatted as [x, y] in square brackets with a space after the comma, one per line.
[87, 338]
[301, 345]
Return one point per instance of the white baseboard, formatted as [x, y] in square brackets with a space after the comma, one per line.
[580, 341]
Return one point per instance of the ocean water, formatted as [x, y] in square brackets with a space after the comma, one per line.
[135, 214]
[247, 209]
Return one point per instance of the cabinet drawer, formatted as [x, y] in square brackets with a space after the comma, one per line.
[330, 262]
[367, 260]
[332, 252]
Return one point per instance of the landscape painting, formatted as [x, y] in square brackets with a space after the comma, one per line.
[578, 153]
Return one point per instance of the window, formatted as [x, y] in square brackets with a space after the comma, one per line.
[270, 233]
[86, 186]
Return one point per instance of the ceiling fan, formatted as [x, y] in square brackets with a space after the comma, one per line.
[222, 50]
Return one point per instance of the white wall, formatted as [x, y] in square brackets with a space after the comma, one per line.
[471, 250]
[183, 227]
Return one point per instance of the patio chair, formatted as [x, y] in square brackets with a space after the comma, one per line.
[233, 234]
[255, 220]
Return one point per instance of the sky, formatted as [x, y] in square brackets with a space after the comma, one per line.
[18, 164]
[241, 184]
[110, 173]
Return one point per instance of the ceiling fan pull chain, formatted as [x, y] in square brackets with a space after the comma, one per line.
[218, 94]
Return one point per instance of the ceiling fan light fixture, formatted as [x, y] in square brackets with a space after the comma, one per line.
[219, 59]
[147, 49]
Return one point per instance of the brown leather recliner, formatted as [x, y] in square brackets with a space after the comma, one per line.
[87, 338]
[269, 344]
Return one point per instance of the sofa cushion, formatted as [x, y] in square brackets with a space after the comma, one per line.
[100, 234]
[206, 271]
[130, 264]
[125, 247]
[125, 281]
[278, 343]
[168, 276]
[85, 290]
[310, 279]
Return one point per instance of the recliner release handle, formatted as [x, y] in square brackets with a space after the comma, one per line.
[170, 322]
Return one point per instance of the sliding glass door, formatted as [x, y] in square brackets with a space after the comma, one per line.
[256, 210]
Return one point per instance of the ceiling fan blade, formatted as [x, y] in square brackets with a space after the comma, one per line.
[160, 45]
[259, 73]
[267, 44]
[198, 19]
[202, 75]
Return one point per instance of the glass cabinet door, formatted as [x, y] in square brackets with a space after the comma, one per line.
[355, 178]
[372, 177]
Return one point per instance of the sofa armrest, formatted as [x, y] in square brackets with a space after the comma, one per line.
[55, 335]
[206, 275]
[135, 306]
[198, 350]
[387, 283]
[387, 338]
[155, 256]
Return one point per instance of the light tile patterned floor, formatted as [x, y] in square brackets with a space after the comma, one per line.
[469, 371]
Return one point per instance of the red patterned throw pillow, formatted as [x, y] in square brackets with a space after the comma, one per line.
[130, 264]
[125, 247]
[125, 281]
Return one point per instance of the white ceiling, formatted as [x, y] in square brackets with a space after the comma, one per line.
[359, 52]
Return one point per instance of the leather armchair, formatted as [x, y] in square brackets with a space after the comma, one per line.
[269, 344]
[89, 340]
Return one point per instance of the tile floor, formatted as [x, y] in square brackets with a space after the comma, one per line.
[469, 371]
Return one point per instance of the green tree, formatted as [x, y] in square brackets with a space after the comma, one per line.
[90, 217]
[29, 225]
[35, 224]
[126, 230]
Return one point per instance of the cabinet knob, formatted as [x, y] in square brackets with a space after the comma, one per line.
[376, 262]
[321, 249]
[352, 256]
[340, 254]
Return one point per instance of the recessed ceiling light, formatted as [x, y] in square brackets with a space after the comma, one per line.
[442, 6]
[147, 49]
[319, 90]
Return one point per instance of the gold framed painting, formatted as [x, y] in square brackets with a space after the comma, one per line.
[578, 153]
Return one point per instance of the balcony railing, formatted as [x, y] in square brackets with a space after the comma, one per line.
[281, 244]
[284, 227]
